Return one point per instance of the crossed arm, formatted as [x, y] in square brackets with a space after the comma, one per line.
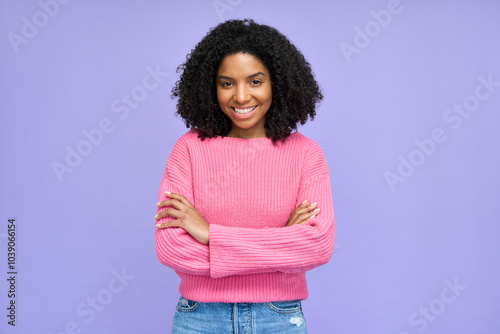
[186, 242]
[188, 218]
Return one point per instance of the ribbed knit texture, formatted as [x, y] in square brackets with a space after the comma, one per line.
[246, 189]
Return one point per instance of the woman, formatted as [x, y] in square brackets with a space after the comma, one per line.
[245, 203]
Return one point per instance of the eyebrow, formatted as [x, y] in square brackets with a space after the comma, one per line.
[250, 76]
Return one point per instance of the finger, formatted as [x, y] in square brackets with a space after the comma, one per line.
[303, 218]
[165, 202]
[313, 205]
[298, 218]
[171, 202]
[162, 203]
[178, 197]
[170, 223]
[293, 218]
[302, 210]
[302, 213]
[170, 212]
[314, 213]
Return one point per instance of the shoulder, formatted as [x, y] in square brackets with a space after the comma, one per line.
[191, 136]
[299, 141]
[188, 140]
[183, 146]
[310, 154]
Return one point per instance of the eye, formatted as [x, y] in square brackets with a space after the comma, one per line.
[256, 82]
[226, 84]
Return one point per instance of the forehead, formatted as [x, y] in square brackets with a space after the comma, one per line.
[241, 63]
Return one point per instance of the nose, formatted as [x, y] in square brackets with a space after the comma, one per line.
[241, 95]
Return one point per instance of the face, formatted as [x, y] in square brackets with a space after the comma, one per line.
[244, 93]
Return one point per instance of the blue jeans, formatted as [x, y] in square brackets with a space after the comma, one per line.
[239, 318]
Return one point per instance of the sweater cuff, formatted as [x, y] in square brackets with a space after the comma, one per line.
[223, 261]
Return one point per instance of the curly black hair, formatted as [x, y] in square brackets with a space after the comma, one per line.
[295, 92]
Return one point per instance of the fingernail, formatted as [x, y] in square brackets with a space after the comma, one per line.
[305, 202]
[316, 211]
[156, 216]
[315, 204]
[312, 217]
[167, 192]
[158, 204]
[158, 225]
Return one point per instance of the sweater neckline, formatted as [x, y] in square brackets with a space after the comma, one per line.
[245, 139]
[236, 141]
[259, 142]
[252, 139]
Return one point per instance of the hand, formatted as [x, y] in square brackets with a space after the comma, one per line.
[187, 217]
[303, 213]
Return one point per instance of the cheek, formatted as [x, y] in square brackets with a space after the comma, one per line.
[267, 94]
[223, 97]
[265, 97]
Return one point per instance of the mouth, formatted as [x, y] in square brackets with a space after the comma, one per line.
[244, 112]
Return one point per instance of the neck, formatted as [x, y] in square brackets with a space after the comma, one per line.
[246, 134]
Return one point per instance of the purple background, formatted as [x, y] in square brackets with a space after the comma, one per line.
[398, 247]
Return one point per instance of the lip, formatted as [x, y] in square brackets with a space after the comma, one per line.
[244, 116]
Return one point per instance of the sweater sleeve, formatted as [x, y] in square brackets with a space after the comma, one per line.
[175, 247]
[292, 249]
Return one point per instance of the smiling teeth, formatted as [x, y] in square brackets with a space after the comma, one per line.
[244, 111]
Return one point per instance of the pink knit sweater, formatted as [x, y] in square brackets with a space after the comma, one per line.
[246, 189]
